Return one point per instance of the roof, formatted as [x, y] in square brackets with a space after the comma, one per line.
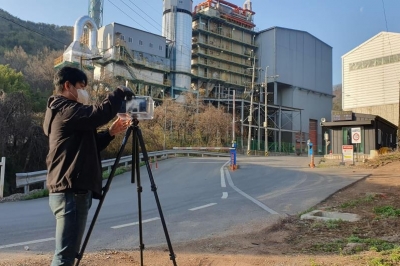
[372, 38]
[302, 31]
[347, 123]
[368, 120]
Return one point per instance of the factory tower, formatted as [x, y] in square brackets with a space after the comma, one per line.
[177, 29]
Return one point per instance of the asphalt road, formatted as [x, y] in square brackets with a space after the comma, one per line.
[199, 197]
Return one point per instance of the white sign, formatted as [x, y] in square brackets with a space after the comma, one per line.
[356, 135]
[348, 153]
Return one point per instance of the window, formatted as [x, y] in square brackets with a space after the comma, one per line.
[140, 42]
[123, 37]
[160, 47]
[150, 45]
[130, 39]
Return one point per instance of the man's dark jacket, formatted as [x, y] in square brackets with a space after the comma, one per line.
[73, 161]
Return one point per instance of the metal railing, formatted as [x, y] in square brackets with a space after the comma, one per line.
[27, 179]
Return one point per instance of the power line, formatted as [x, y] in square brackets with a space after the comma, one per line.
[50, 38]
[144, 28]
[139, 14]
[126, 14]
[148, 15]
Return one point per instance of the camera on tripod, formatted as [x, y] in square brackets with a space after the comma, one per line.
[137, 107]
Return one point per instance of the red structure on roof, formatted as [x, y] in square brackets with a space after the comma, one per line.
[229, 11]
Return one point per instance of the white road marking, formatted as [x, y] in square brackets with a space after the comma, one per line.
[261, 205]
[224, 195]
[202, 162]
[202, 207]
[223, 184]
[27, 243]
[135, 223]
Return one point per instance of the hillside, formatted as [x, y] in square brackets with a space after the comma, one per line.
[31, 36]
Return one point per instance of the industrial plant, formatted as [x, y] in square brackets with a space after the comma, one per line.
[277, 81]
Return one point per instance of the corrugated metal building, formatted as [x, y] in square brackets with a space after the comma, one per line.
[370, 77]
[304, 66]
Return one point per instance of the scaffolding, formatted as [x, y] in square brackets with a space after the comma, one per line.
[223, 60]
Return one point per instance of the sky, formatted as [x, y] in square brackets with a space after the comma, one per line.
[342, 24]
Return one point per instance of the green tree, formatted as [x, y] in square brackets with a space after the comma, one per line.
[12, 81]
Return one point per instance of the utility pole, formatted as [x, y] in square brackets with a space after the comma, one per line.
[266, 108]
[233, 116]
[219, 94]
[251, 104]
[398, 127]
[266, 111]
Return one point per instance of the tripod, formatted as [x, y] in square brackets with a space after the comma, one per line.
[136, 141]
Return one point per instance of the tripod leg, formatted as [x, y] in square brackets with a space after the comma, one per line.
[154, 189]
[135, 150]
[103, 196]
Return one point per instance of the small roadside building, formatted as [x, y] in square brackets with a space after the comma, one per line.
[367, 133]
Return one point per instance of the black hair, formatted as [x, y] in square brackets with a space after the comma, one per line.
[71, 74]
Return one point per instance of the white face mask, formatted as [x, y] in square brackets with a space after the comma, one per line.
[83, 96]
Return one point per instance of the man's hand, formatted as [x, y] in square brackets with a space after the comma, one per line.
[118, 126]
[127, 91]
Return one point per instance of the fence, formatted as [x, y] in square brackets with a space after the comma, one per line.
[27, 179]
[2, 171]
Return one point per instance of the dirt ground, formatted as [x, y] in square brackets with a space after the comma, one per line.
[289, 240]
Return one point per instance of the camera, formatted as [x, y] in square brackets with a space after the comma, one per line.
[138, 107]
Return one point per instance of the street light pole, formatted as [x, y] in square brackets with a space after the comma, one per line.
[251, 105]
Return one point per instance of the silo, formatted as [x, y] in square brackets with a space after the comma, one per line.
[96, 11]
[177, 28]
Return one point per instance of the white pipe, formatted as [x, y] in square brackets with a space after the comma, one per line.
[80, 23]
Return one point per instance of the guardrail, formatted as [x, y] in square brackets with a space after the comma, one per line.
[27, 179]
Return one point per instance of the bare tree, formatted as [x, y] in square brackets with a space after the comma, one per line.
[16, 58]
[337, 100]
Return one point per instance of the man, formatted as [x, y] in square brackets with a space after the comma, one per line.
[73, 162]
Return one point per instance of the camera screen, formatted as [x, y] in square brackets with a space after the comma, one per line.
[140, 107]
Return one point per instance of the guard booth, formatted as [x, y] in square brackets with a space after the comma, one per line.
[367, 133]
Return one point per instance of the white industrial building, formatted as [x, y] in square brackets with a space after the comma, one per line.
[371, 76]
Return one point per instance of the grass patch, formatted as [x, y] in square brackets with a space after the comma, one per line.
[306, 211]
[391, 258]
[356, 202]
[333, 224]
[387, 211]
[372, 243]
[331, 247]
[37, 194]
[337, 246]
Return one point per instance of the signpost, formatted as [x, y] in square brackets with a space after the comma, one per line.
[233, 155]
[348, 153]
[356, 138]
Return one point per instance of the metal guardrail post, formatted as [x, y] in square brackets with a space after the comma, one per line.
[2, 171]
